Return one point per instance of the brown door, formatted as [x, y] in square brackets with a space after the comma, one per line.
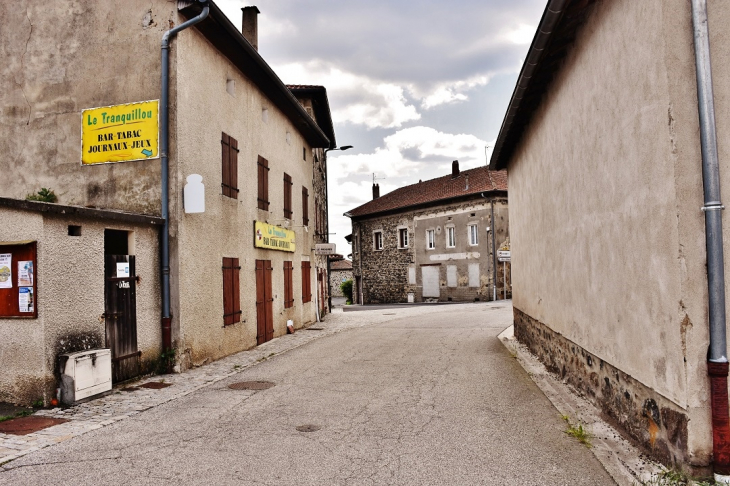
[264, 302]
[120, 315]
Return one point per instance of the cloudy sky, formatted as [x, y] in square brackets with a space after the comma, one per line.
[412, 85]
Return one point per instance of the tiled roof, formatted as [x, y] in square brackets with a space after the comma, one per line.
[480, 179]
[340, 265]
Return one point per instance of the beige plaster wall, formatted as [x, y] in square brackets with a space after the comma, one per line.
[204, 110]
[605, 191]
[70, 299]
[58, 59]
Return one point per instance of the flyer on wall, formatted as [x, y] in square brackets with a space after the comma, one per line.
[25, 299]
[6, 275]
[25, 274]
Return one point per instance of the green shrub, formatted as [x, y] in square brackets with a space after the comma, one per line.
[44, 195]
[346, 288]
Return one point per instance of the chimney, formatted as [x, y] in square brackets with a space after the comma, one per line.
[455, 169]
[376, 191]
[249, 27]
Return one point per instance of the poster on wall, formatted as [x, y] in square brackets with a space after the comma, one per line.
[25, 299]
[6, 275]
[25, 273]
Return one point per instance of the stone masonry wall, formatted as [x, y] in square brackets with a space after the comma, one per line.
[655, 423]
[336, 278]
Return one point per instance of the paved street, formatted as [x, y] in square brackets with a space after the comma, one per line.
[399, 396]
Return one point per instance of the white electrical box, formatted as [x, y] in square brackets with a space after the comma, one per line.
[85, 374]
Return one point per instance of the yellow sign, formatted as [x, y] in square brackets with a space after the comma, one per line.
[273, 237]
[120, 133]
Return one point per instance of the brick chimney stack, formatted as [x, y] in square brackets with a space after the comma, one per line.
[249, 27]
[376, 191]
[455, 169]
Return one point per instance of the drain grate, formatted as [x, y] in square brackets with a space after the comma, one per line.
[130, 388]
[251, 385]
[155, 385]
[308, 428]
[315, 329]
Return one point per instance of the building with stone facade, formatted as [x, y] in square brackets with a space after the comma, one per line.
[173, 253]
[618, 273]
[340, 271]
[433, 241]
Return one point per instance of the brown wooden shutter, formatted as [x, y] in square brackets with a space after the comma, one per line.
[288, 284]
[305, 206]
[225, 164]
[287, 196]
[306, 282]
[231, 291]
[263, 183]
[233, 168]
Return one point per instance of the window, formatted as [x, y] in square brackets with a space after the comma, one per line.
[229, 152]
[430, 239]
[288, 286]
[316, 216]
[305, 206]
[263, 192]
[450, 237]
[287, 196]
[473, 234]
[304, 153]
[403, 238]
[231, 292]
[378, 240]
[306, 282]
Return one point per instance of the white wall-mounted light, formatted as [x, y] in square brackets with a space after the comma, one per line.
[194, 194]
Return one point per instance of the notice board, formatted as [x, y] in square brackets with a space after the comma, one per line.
[18, 282]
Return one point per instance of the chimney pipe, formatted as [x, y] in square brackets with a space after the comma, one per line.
[376, 191]
[455, 169]
[249, 27]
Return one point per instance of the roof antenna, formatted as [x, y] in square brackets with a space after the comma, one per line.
[377, 178]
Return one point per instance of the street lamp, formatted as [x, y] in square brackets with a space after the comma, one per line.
[327, 202]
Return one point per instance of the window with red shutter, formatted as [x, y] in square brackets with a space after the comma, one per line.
[229, 166]
[306, 282]
[231, 291]
[288, 284]
[263, 183]
[305, 206]
[287, 196]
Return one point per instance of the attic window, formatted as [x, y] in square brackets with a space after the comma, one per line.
[231, 87]
[74, 230]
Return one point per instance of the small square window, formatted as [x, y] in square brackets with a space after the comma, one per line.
[430, 239]
[74, 230]
[403, 238]
[378, 240]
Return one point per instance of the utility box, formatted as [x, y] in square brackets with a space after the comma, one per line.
[85, 374]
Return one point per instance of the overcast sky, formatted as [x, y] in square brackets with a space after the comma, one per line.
[412, 85]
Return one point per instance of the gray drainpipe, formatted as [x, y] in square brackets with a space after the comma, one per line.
[164, 144]
[717, 363]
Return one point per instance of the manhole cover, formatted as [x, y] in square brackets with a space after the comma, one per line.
[155, 385]
[308, 428]
[28, 425]
[251, 385]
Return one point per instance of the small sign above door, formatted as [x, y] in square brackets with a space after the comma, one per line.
[123, 270]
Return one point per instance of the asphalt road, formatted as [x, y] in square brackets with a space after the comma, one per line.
[428, 399]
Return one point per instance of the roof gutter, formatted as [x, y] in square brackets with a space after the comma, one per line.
[553, 12]
[717, 362]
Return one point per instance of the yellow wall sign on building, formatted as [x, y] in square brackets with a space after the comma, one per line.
[273, 237]
[120, 133]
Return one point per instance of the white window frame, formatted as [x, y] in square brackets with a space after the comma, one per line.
[473, 233]
[378, 240]
[450, 237]
[401, 241]
[430, 239]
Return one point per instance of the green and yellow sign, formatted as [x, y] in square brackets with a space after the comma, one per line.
[273, 237]
[120, 133]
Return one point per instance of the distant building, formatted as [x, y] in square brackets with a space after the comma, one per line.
[432, 241]
[340, 271]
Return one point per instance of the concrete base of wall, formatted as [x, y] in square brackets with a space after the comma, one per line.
[654, 423]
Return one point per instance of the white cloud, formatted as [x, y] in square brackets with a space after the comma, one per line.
[521, 35]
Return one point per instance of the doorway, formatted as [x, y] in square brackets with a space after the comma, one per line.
[120, 305]
[264, 302]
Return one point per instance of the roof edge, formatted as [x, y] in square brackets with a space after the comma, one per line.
[53, 208]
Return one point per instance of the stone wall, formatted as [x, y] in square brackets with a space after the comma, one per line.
[336, 278]
[655, 423]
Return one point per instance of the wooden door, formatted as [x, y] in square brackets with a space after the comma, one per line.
[264, 302]
[120, 315]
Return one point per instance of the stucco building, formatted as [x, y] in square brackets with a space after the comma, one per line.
[123, 232]
[603, 144]
[436, 240]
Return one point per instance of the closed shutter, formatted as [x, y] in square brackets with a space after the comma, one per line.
[229, 166]
[263, 183]
[305, 206]
[288, 284]
[306, 282]
[287, 196]
[231, 291]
